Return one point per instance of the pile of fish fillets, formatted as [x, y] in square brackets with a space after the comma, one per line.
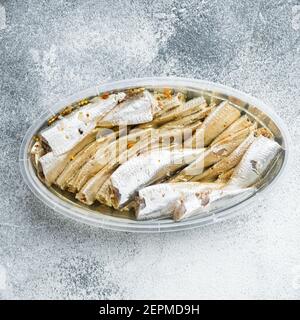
[154, 152]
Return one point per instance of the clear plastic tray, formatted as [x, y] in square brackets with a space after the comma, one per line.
[100, 216]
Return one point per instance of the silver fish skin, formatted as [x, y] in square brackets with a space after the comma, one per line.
[64, 134]
[52, 165]
[159, 200]
[254, 163]
[213, 154]
[141, 170]
[135, 110]
[226, 163]
[107, 154]
[206, 201]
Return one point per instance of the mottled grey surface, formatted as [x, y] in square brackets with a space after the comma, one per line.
[50, 49]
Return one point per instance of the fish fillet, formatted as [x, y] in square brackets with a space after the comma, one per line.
[142, 170]
[194, 105]
[53, 165]
[254, 163]
[134, 110]
[203, 202]
[240, 124]
[82, 158]
[216, 122]
[167, 104]
[159, 200]
[64, 134]
[227, 163]
[96, 187]
[169, 140]
[109, 153]
[213, 154]
[88, 192]
[188, 120]
[158, 141]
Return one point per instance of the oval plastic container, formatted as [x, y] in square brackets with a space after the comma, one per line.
[101, 217]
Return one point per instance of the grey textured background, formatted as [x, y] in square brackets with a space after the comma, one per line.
[50, 49]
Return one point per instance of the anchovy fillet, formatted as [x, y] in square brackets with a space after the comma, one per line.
[81, 159]
[227, 163]
[254, 163]
[107, 154]
[64, 134]
[134, 110]
[240, 124]
[142, 170]
[53, 165]
[203, 202]
[213, 155]
[216, 122]
[194, 105]
[159, 200]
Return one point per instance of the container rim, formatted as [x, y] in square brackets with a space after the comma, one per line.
[96, 219]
